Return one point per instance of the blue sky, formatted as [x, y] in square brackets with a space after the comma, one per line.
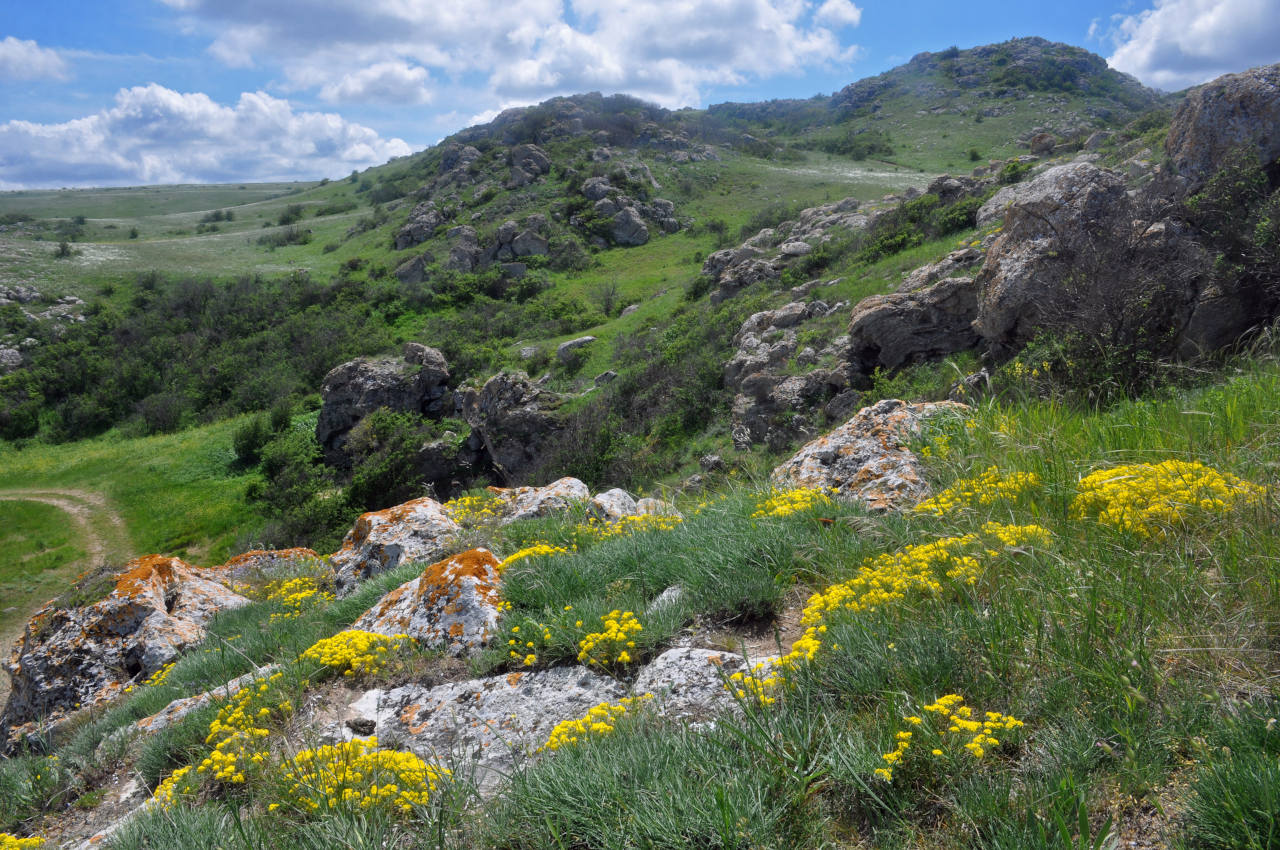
[126, 92]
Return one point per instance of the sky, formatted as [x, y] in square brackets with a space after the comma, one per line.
[134, 92]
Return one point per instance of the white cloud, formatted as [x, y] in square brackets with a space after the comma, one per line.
[840, 13]
[156, 135]
[26, 60]
[669, 51]
[1181, 43]
[385, 82]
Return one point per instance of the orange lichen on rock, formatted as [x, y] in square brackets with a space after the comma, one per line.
[418, 530]
[453, 604]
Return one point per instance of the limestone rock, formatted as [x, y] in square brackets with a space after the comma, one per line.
[420, 227]
[493, 723]
[452, 606]
[1042, 143]
[71, 657]
[355, 389]
[893, 330]
[414, 269]
[464, 251]
[565, 351]
[596, 188]
[656, 507]
[629, 228]
[180, 708]
[688, 683]
[419, 530]
[519, 503]
[867, 457]
[956, 264]
[514, 418]
[1235, 110]
[268, 563]
[10, 359]
[531, 159]
[613, 505]
[529, 243]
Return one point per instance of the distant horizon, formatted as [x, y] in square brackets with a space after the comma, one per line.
[169, 92]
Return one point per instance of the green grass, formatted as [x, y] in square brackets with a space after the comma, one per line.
[34, 537]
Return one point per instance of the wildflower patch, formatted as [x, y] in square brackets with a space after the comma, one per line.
[782, 503]
[360, 776]
[948, 732]
[1150, 498]
[355, 651]
[613, 645]
[986, 489]
[536, 550]
[600, 720]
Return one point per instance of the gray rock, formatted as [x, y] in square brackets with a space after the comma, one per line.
[1236, 110]
[613, 505]
[596, 188]
[606, 377]
[414, 269]
[629, 228]
[955, 264]
[795, 249]
[867, 458]
[1042, 143]
[514, 419]
[420, 226]
[890, 331]
[529, 243]
[689, 683]
[531, 159]
[10, 359]
[419, 530]
[566, 351]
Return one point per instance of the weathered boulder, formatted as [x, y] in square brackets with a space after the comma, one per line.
[465, 254]
[419, 530]
[1233, 111]
[795, 249]
[956, 264]
[567, 350]
[452, 606]
[420, 226]
[268, 563]
[529, 243]
[492, 724]
[414, 269]
[596, 188]
[774, 409]
[656, 507]
[689, 683]
[889, 331]
[515, 420]
[418, 383]
[10, 359]
[1042, 143]
[73, 657]
[867, 458]
[613, 505]
[950, 189]
[531, 158]
[519, 503]
[455, 156]
[629, 228]
[1078, 254]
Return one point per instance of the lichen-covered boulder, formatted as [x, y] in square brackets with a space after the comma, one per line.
[491, 723]
[517, 503]
[613, 505]
[73, 656]
[452, 606]
[867, 458]
[419, 530]
[515, 419]
[689, 683]
[268, 563]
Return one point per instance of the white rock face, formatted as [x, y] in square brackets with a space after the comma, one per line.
[529, 502]
[452, 606]
[688, 683]
[613, 505]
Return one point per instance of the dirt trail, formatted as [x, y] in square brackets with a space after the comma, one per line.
[103, 536]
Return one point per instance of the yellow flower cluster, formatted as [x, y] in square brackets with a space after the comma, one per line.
[471, 511]
[354, 651]
[782, 503]
[13, 842]
[612, 645]
[1148, 498]
[536, 550]
[940, 447]
[238, 731]
[989, 487]
[881, 582]
[634, 524]
[156, 678]
[955, 722]
[599, 720]
[359, 775]
[179, 784]
[296, 595]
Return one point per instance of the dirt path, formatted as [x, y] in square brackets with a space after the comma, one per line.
[102, 535]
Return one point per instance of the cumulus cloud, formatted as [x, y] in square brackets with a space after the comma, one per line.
[385, 82]
[1181, 43]
[669, 51]
[26, 60]
[153, 134]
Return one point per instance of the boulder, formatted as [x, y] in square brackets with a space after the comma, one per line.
[890, 331]
[950, 189]
[1042, 143]
[419, 530]
[795, 249]
[955, 264]
[73, 657]
[689, 683]
[517, 503]
[567, 350]
[529, 243]
[10, 359]
[269, 563]
[596, 188]
[613, 505]
[452, 606]
[867, 458]
[629, 228]
[656, 507]
[1077, 253]
[456, 157]
[514, 418]
[420, 226]
[492, 724]
[414, 269]
[774, 409]
[465, 254]
[418, 383]
[1233, 111]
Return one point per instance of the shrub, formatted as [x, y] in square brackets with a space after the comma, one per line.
[248, 439]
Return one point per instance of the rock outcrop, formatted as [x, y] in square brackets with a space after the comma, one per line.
[420, 226]
[515, 419]
[890, 331]
[418, 383]
[420, 530]
[867, 458]
[519, 503]
[1233, 111]
[79, 656]
[452, 606]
